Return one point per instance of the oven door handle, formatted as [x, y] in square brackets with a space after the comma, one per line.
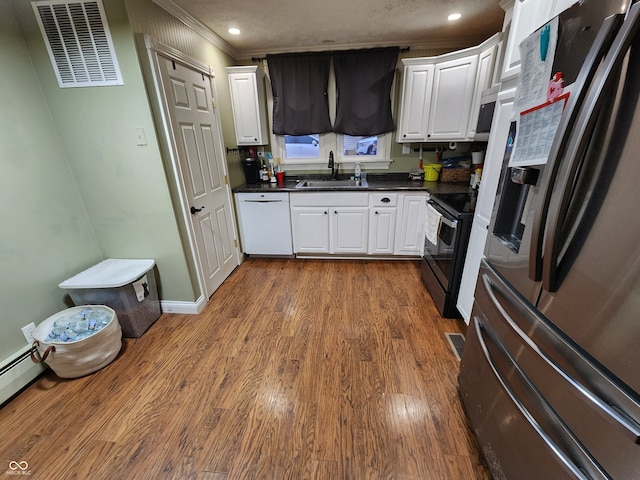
[446, 219]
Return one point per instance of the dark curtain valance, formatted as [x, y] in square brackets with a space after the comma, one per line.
[299, 86]
[363, 86]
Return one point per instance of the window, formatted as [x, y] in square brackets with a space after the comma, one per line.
[311, 152]
[302, 146]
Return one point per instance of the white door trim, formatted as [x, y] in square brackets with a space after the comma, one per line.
[148, 51]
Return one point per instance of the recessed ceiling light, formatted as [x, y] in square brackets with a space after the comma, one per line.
[234, 31]
[454, 16]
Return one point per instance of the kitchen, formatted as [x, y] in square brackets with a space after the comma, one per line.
[93, 198]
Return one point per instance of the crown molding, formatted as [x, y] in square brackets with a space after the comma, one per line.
[196, 25]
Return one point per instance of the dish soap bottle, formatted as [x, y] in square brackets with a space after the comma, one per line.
[358, 173]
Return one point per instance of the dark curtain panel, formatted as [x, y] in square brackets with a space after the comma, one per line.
[299, 85]
[363, 86]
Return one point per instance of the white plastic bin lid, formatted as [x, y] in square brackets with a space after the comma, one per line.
[113, 272]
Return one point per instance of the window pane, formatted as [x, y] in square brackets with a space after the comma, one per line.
[302, 146]
[360, 145]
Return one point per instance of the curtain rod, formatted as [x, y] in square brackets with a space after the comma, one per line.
[260, 59]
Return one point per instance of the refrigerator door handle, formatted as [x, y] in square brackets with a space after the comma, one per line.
[631, 428]
[568, 439]
[598, 50]
[577, 145]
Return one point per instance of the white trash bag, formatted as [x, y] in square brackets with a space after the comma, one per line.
[78, 341]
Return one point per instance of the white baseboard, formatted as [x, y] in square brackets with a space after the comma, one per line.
[20, 371]
[193, 308]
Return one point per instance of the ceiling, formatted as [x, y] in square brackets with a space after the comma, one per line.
[277, 26]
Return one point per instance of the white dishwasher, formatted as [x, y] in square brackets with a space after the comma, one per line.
[265, 223]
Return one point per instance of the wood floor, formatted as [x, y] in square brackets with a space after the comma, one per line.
[297, 369]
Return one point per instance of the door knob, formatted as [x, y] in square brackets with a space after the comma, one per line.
[195, 210]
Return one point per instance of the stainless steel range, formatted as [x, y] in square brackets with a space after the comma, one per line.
[449, 217]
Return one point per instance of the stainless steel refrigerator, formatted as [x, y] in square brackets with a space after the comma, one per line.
[550, 371]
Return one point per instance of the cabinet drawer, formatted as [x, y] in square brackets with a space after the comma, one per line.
[383, 199]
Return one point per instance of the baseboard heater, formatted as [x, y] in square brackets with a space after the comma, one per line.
[17, 372]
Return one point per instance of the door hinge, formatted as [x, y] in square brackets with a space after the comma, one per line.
[213, 103]
[235, 243]
[226, 181]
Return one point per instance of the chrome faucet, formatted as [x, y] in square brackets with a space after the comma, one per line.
[332, 165]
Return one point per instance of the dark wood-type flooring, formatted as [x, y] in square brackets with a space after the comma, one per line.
[296, 369]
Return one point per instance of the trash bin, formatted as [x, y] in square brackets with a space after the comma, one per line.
[126, 285]
[78, 341]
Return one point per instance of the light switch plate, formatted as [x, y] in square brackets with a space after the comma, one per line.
[141, 139]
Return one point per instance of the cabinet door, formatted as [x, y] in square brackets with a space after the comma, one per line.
[310, 229]
[475, 249]
[484, 79]
[382, 230]
[453, 87]
[247, 101]
[417, 86]
[410, 227]
[349, 227]
[494, 155]
[528, 16]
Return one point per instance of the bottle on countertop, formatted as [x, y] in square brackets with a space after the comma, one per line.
[358, 173]
[272, 171]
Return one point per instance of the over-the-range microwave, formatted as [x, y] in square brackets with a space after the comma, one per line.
[485, 115]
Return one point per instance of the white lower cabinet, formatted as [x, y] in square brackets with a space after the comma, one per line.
[349, 227]
[310, 229]
[358, 223]
[383, 211]
[330, 223]
[409, 238]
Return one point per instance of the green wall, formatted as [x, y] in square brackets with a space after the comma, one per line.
[47, 234]
[74, 186]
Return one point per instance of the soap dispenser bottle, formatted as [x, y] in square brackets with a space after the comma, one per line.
[358, 173]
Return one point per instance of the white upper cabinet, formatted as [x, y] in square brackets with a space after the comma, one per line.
[484, 80]
[528, 16]
[417, 87]
[440, 95]
[248, 104]
[453, 86]
[436, 98]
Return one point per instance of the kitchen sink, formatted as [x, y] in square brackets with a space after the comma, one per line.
[330, 183]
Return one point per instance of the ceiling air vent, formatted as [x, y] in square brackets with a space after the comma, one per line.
[79, 43]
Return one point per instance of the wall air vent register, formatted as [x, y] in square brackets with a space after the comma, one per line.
[77, 37]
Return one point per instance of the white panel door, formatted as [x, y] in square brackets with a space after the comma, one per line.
[417, 86]
[410, 227]
[453, 87]
[310, 229]
[528, 16]
[188, 96]
[349, 227]
[382, 230]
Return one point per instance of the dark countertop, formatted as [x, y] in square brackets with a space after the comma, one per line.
[390, 181]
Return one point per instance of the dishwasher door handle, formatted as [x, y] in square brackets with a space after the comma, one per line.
[262, 201]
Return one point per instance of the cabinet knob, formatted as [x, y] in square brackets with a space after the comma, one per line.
[325, 212]
[376, 212]
[335, 212]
